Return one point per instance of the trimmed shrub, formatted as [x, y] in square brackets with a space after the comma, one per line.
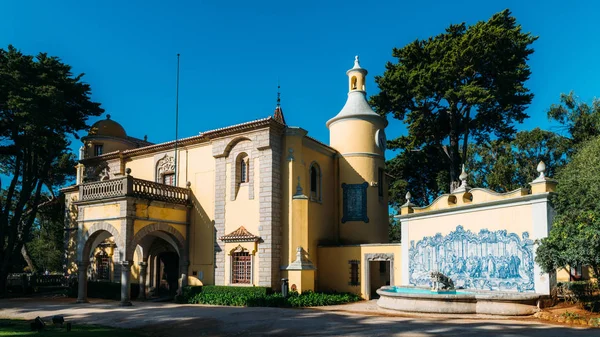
[577, 291]
[260, 291]
[228, 297]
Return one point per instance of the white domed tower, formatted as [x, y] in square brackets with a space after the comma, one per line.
[358, 133]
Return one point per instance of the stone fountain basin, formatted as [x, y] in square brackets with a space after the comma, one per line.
[463, 302]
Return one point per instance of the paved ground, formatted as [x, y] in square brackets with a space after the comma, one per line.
[361, 319]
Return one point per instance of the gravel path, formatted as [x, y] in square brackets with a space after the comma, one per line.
[360, 319]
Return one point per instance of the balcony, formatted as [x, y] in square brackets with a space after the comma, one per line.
[131, 187]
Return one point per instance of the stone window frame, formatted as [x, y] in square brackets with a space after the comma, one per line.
[242, 158]
[354, 273]
[318, 194]
[240, 249]
[165, 165]
[242, 146]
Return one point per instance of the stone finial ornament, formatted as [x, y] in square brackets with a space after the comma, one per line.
[128, 171]
[408, 196]
[298, 187]
[356, 62]
[541, 168]
[188, 184]
[464, 186]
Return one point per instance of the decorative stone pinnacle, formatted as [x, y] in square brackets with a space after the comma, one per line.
[356, 62]
[463, 175]
[541, 168]
[188, 184]
[408, 197]
[128, 171]
[298, 187]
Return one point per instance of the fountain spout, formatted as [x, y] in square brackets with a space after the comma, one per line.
[441, 282]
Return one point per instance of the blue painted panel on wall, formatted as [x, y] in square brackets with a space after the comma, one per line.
[490, 260]
[355, 202]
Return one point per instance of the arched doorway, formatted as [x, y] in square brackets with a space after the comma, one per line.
[102, 245]
[162, 256]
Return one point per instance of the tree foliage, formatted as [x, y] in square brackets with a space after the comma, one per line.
[575, 235]
[467, 83]
[504, 166]
[579, 119]
[41, 105]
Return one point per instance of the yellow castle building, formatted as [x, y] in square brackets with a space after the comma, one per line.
[243, 205]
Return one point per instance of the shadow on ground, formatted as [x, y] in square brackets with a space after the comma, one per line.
[167, 319]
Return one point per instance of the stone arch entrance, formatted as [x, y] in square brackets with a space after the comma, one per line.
[163, 259]
[87, 242]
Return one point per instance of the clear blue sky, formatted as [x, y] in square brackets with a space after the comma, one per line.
[234, 52]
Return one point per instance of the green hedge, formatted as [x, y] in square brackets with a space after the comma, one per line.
[258, 291]
[234, 296]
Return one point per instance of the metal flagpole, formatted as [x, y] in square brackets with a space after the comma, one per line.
[175, 180]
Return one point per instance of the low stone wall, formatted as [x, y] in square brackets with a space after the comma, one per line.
[476, 302]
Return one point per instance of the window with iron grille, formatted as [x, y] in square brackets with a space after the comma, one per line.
[241, 264]
[102, 267]
[354, 273]
[169, 179]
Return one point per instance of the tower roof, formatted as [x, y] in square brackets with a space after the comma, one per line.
[107, 127]
[356, 105]
[278, 114]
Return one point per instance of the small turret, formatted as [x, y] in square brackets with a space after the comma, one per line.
[358, 134]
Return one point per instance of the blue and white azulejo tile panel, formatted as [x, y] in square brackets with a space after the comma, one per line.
[489, 260]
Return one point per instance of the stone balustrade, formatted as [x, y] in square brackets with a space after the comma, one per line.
[132, 187]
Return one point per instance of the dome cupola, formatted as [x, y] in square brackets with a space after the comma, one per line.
[107, 127]
[356, 105]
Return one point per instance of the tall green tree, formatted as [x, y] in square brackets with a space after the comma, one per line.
[580, 120]
[465, 84]
[503, 165]
[575, 235]
[41, 105]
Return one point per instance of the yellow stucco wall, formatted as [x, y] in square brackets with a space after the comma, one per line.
[335, 268]
[514, 219]
[101, 211]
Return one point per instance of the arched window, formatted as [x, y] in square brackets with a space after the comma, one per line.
[315, 182]
[243, 168]
[354, 83]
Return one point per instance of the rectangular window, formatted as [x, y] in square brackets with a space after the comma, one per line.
[98, 150]
[380, 182]
[576, 273]
[354, 273]
[169, 179]
[241, 265]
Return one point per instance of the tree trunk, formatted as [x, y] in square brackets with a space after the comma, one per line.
[27, 258]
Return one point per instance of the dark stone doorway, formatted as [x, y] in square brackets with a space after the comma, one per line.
[168, 273]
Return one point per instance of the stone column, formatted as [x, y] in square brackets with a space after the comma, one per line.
[82, 267]
[184, 274]
[125, 274]
[143, 272]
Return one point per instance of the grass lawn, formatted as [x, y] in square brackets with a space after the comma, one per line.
[17, 327]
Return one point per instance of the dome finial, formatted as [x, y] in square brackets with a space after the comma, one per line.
[108, 116]
[356, 62]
